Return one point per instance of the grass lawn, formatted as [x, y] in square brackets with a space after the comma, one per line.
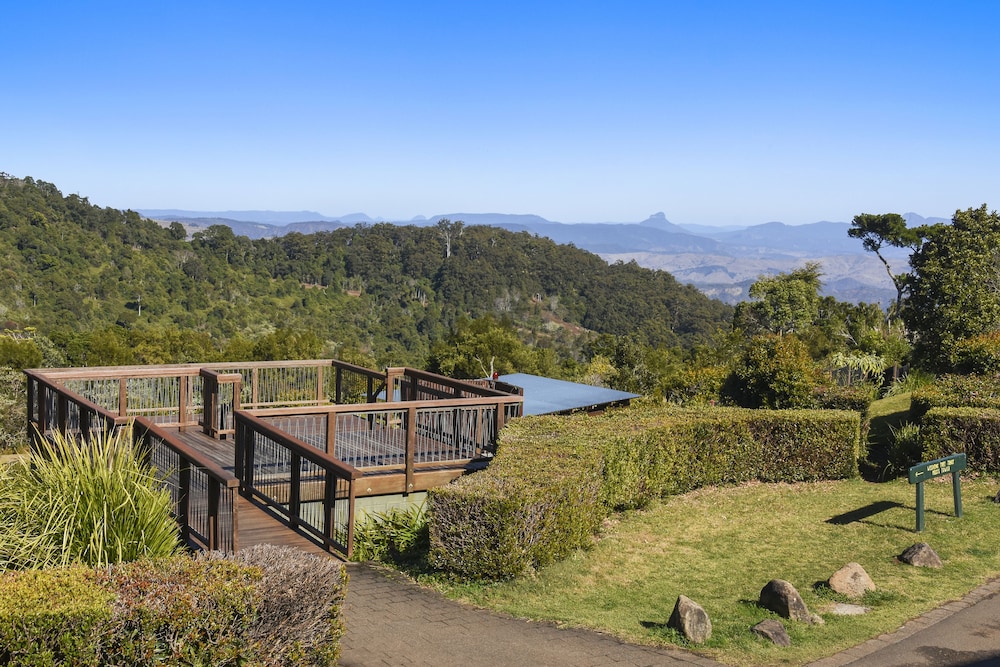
[720, 546]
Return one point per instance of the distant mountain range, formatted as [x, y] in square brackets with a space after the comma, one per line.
[721, 261]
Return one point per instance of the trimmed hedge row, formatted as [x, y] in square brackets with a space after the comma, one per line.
[975, 431]
[264, 606]
[956, 391]
[554, 479]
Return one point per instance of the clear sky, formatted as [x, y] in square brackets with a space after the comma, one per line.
[712, 112]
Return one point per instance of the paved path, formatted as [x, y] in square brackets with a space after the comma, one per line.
[392, 622]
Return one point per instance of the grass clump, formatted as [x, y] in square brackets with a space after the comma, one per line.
[93, 503]
[397, 536]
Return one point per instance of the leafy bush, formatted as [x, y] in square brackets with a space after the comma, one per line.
[298, 619]
[855, 397]
[266, 606]
[534, 505]
[51, 617]
[554, 479]
[975, 431]
[955, 391]
[92, 503]
[979, 354]
[395, 536]
[772, 372]
[905, 448]
[13, 401]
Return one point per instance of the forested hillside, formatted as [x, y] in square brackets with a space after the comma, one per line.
[107, 286]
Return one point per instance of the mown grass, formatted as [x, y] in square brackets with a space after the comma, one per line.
[720, 546]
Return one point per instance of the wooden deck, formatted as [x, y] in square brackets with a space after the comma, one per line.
[378, 481]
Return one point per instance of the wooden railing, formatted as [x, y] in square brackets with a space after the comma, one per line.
[203, 494]
[313, 490]
[402, 436]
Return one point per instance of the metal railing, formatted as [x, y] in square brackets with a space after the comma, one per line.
[402, 436]
[313, 490]
[203, 495]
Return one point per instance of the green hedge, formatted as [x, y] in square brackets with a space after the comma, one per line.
[265, 606]
[554, 479]
[975, 431]
[956, 391]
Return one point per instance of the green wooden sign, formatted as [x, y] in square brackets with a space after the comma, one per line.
[920, 473]
[949, 464]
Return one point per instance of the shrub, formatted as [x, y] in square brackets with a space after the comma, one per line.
[13, 419]
[395, 536]
[905, 448]
[299, 619]
[979, 354]
[954, 391]
[266, 606]
[555, 478]
[51, 617]
[94, 504]
[772, 372]
[975, 431]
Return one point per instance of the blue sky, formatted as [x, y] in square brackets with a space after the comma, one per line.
[712, 112]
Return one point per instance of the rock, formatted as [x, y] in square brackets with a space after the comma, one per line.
[851, 580]
[920, 555]
[691, 620]
[781, 597]
[996, 498]
[773, 631]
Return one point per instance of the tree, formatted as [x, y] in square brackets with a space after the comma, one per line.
[449, 231]
[783, 304]
[876, 231]
[772, 372]
[953, 293]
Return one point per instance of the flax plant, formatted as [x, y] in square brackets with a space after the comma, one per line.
[93, 503]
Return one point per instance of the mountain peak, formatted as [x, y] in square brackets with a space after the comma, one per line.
[659, 221]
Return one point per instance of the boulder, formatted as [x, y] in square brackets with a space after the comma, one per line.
[781, 597]
[921, 555]
[851, 580]
[773, 631]
[691, 620]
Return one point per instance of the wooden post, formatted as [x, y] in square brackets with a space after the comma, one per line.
[411, 445]
[331, 434]
[295, 491]
[122, 397]
[182, 411]
[214, 533]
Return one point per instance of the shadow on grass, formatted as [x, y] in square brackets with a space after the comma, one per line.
[863, 514]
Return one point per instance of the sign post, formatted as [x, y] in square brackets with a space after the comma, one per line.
[922, 472]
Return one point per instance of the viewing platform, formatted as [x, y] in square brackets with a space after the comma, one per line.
[280, 451]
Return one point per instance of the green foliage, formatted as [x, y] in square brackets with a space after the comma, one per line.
[536, 502]
[93, 280]
[19, 354]
[13, 406]
[772, 372]
[953, 292]
[92, 503]
[978, 354]
[879, 230]
[975, 431]
[51, 617]
[397, 536]
[905, 448]
[781, 304]
[265, 606]
[956, 391]
[555, 478]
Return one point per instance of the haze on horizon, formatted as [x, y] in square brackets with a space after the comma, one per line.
[724, 113]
